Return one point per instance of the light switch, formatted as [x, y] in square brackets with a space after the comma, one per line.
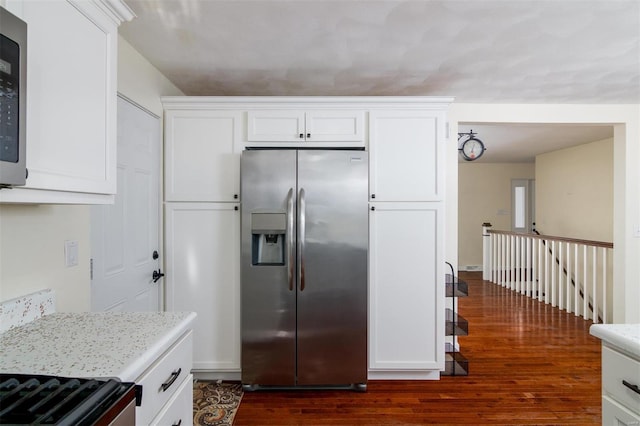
[70, 253]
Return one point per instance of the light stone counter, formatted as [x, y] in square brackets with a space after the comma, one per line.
[91, 344]
[624, 337]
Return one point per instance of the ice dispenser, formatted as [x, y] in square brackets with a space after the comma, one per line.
[268, 232]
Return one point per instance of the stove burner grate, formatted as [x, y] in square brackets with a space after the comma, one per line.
[49, 400]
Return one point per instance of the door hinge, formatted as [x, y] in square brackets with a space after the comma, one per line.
[91, 269]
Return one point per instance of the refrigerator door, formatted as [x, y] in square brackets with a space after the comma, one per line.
[268, 291]
[332, 254]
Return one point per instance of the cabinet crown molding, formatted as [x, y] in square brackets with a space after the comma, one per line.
[304, 102]
[117, 10]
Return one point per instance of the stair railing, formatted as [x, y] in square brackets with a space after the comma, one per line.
[568, 273]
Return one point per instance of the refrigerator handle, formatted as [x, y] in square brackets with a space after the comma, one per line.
[290, 237]
[301, 231]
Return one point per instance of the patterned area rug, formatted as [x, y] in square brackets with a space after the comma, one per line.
[215, 403]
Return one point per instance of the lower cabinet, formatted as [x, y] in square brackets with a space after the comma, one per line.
[617, 414]
[163, 386]
[406, 291]
[179, 410]
[620, 382]
[203, 262]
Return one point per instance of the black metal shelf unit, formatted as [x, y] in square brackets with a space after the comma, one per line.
[455, 325]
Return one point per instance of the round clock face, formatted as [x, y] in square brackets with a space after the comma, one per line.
[472, 149]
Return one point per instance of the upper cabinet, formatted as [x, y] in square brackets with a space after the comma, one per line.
[406, 155]
[305, 127]
[71, 100]
[202, 155]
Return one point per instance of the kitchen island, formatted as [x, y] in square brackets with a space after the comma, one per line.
[148, 348]
[620, 372]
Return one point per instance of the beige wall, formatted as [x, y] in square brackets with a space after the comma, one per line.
[625, 120]
[32, 236]
[140, 81]
[32, 253]
[574, 192]
[484, 195]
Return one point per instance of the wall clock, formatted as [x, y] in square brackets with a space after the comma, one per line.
[472, 148]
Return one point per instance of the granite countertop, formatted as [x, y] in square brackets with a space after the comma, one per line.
[91, 344]
[623, 336]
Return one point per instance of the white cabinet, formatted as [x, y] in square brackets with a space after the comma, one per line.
[179, 409]
[203, 275]
[620, 388]
[406, 155]
[164, 379]
[204, 137]
[295, 126]
[71, 100]
[202, 155]
[406, 290]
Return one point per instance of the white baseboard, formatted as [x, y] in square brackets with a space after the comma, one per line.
[473, 268]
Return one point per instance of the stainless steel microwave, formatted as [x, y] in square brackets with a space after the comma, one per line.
[13, 91]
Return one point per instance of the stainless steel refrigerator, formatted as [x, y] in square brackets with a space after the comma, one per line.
[304, 268]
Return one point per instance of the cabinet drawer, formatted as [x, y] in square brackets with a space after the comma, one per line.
[617, 367]
[179, 409]
[614, 414]
[164, 377]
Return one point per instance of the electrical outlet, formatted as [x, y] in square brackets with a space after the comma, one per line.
[70, 253]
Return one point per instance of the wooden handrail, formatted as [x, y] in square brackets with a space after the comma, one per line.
[550, 237]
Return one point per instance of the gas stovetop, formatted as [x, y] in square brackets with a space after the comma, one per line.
[50, 400]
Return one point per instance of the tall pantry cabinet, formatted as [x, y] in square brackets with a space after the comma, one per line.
[405, 137]
[406, 242]
[202, 230]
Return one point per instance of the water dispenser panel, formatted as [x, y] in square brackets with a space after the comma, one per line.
[268, 238]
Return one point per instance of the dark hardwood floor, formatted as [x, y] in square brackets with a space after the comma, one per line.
[529, 364]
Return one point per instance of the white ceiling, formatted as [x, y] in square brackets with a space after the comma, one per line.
[520, 143]
[486, 51]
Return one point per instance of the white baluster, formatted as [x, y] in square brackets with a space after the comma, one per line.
[554, 278]
[569, 278]
[547, 289]
[529, 269]
[534, 266]
[516, 253]
[561, 277]
[585, 286]
[604, 285]
[576, 289]
[594, 281]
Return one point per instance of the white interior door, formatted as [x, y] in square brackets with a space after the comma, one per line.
[522, 200]
[125, 235]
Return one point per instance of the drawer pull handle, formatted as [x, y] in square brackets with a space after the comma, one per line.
[166, 385]
[177, 424]
[634, 388]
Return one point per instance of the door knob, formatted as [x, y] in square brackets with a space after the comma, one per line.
[157, 275]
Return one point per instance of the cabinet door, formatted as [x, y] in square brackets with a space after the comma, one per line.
[179, 409]
[617, 414]
[406, 287]
[71, 102]
[202, 155]
[275, 126]
[406, 158]
[322, 128]
[203, 264]
[334, 126]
